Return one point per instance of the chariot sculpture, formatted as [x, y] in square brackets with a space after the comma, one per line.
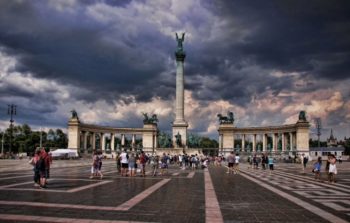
[149, 120]
[229, 119]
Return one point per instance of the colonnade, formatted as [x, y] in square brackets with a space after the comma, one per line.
[288, 141]
[85, 137]
[294, 137]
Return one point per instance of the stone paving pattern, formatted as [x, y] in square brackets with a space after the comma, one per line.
[72, 196]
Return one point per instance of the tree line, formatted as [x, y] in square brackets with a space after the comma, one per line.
[25, 140]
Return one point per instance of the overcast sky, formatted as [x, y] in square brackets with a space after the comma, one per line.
[112, 60]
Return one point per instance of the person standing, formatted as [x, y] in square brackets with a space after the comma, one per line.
[143, 161]
[131, 165]
[124, 160]
[231, 162]
[332, 169]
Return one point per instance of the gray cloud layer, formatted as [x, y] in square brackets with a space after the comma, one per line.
[110, 50]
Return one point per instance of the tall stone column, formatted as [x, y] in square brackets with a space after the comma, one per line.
[155, 141]
[179, 124]
[283, 142]
[264, 142]
[254, 143]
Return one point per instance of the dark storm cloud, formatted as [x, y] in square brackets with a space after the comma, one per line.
[70, 49]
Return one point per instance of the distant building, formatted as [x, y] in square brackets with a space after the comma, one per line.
[324, 151]
[332, 141]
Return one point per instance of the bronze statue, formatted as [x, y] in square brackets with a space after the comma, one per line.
[74, 114]
[147, 120]
[179, 42]
[229, 119]
[178, 139]
[302, 116]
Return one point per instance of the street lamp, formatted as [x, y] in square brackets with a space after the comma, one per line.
[11, 110]
[2, 144]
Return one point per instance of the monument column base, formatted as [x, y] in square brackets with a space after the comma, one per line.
[180, 129]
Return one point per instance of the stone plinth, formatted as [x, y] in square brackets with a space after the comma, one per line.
[302, 136]
[73, 133]
[149, 138]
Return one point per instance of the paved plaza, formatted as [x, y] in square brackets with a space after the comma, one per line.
[212, 195]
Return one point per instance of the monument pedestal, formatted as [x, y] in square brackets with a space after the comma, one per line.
[180, 128]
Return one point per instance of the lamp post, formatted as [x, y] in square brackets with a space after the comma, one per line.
[2, 143]
[11, 110]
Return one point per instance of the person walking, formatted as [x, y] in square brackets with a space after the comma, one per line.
[155, 164]
[317, 169]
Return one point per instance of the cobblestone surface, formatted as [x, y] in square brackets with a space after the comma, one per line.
[285, 195]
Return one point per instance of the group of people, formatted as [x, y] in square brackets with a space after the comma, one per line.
[265, 160]
[41, 162]
[330, 169]
[96, 165]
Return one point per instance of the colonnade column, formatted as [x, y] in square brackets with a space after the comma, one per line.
[243, 142]
[264, 142]
[112, 142]
[254, 143]
[103, 141]
[93, 141]
[220, 142]
[133, 141]
[291, 141]
[275, 141]
[85, 141]
[283, 142]
[123, 140]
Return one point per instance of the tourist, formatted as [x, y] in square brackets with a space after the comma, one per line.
[118, 163]
[193, 162]
[231, 162]
[40, 167]
[332, 169]
[33, 162]
[236, 166]
[317, 168]
[94, 165]
[304, 160]
[155, 164]
[263, 161]
[99, 163]
[131, 164]
[143, 161]
[270, 162]
[124, 160]
[163, 164]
